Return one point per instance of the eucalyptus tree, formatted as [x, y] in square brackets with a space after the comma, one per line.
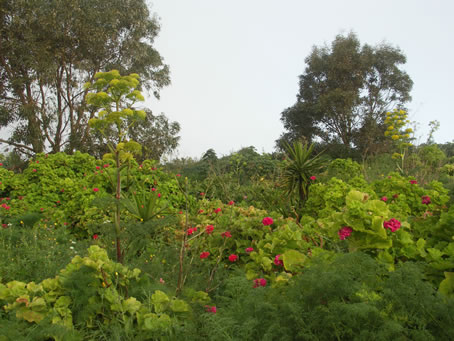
[50, 48]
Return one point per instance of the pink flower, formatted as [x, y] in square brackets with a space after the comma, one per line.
[178, 175]
[413, 182]
[204, 255]
[233, 258]
[267, 221]
[34, 171]
[1, 164]
[313, 178]
[159, 195]
[95, 236]
[385, 199]
[97, 167]
[191, 230]
[153, 189]
[425, 200]
[210, 309]
[345, 232]
[392, 224]
[259, 282]
[226, 234]
[96, 189]
[161, 281]
[106, 165]
[278, 261]
[209, 229]
[217, 210]
[202, 194]
[231, 202]
[249, 249]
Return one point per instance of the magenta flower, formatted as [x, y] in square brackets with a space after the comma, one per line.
[345, 232]
[204, 255]
[226, 234]
[249, 249]
[217, 210]
[425, 200]
[96, 189]
[259, 282]
[413, 182]
[267, 221]
[95, 236]
[385, 199]
[231, 202]
[313, 178]
[278, 261]
[191, 230]
[392, 224]
[209, 229]
[233, 258]
[210, 309]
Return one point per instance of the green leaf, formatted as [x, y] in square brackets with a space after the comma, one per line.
[293, 260]
[447, 285]
[179, 306]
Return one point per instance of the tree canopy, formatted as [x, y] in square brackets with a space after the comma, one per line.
[344, 93]
[50, 48]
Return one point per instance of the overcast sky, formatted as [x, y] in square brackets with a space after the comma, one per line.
[235, 64]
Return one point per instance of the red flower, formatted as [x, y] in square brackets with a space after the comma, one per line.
[97, 167]
[202, 194]
[153, 189]
[191, 230]
[249, 249]
[267, 221]
[395, 196]
[209, 229]
[95, 236]
[4, 226]
[217, 210]
[34, 171]
[178, 175]
[210, 309]
[181, 212]
[200, 211]
[1, 164]
[106, 165]
[425, 200]
[233, 258]
[96, 189]
[159, 195]
[313, 178]
[226, 234]
[392, 224]
[413, 182]
[278, 261]
[385, 199]
[259, 282]
[231, 202]
[345, 232]
[204, 255]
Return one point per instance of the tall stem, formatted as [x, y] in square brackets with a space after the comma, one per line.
[117, 210]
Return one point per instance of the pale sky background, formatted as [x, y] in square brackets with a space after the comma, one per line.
[235, 64]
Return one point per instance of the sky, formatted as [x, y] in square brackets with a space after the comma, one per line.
[235, 64]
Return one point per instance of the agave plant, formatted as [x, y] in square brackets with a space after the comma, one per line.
[298, 170]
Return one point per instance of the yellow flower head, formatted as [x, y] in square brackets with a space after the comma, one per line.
[395, 137]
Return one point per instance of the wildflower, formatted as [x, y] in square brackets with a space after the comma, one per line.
[233, 258]
[34, 170]
[191, 230]
[385, 199]
[210, 309]
[413, 182]
[1, 164]
[153, 189]
[425, 200]
[161, 281]
[4, 226]
[97, 167]
[392, 224]
[267, 221]
[278, 261]
[217, 210]
[159, 195]
[106, 165]
[226, 234]
[202, 194]
[95, 236]
[209, 229]
[249, 249]
[181, 212]
[96, 189]
[200, 211]
[231, 202]
[345, 232]
[259, 282]
[178, 175]
[313, 178]
[204, 255]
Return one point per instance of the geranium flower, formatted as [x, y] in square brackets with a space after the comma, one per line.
[249, 249]
[425, 200]
[385, 199]
[96, 189]
[259, 282]
[209, 229]
[226, 234]
[278, 261]
[231, 202]
[34, 171]
[159, 195]
[413, 182]
[217, 210]
[233, 258]
[395, 196]
[267, 221]
[202, 194]
[345, 232]
[200, 211]
[95, 236]
[313, 178]
[204, 255]
[191, 230]
[153, 189]
[392, 224]
[97, 167]
[210, 309]
[106, 165]
[178, 175]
